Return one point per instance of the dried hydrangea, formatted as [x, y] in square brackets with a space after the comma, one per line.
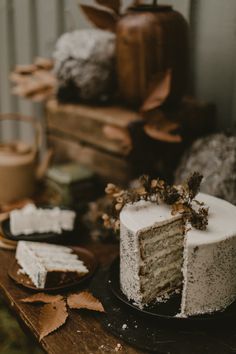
[181, 198]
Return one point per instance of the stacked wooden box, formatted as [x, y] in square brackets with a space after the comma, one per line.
[112, 142]
[98, 137]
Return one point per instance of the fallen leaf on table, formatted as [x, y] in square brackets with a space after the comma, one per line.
[43, 298]
[84, 300]
[52, 316]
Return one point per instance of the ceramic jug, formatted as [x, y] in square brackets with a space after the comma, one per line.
[151, 39]
[19, 165]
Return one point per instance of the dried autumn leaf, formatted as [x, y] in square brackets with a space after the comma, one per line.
[103, 19]
[84, 300]
[159, 92]
[158, 134]
[52, 316]
[111, 4]
[41, 297]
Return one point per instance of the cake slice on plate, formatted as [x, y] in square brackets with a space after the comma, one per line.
[31, 219]
[49, 265]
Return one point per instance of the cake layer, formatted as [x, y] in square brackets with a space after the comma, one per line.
[154, 262]
[169, 245]
[150, 258]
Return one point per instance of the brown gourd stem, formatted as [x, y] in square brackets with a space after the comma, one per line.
[155, 3]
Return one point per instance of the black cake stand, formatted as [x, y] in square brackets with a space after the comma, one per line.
[156, 329]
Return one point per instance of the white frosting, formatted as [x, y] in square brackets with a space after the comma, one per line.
[142, 215]
[209, 270]
[221, 225]
[30, 219]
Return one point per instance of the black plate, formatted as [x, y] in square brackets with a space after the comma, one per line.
[165, 310]
[158, 334]
[45, 237]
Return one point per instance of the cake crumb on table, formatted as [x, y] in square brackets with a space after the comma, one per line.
[124, 326]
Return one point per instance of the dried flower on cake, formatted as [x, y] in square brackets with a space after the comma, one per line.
[199, 219]
[181, 199]
[193, 183]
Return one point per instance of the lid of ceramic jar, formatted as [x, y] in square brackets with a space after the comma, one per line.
[149, 5]
[16, 153]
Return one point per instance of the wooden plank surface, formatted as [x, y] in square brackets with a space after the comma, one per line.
[82, 332]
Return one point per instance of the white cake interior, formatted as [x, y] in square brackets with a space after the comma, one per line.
[156, 251]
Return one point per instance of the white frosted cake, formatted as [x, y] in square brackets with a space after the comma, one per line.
[49, 265]
[158, 259]
[31, 219]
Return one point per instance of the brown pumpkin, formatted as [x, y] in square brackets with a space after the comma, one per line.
[150, 41]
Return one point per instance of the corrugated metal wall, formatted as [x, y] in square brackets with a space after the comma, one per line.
[29, 28]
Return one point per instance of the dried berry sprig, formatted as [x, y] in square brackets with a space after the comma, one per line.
[181, 198]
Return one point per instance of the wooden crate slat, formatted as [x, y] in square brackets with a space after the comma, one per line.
[109, 167]
[88, 124]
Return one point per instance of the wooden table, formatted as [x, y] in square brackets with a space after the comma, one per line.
[82, 332]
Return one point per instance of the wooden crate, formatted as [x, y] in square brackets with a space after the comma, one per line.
[112, 141]
[109, 167]
[104, 127]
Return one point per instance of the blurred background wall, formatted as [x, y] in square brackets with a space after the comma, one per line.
[30, 28]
